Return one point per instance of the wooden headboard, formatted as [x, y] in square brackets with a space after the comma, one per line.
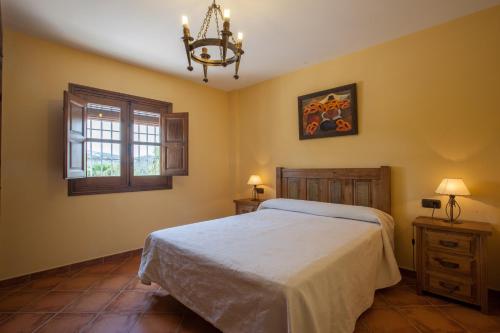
[353, 186]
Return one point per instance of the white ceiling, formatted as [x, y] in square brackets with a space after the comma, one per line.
[280, 35]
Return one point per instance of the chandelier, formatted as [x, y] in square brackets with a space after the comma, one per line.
[229, 50]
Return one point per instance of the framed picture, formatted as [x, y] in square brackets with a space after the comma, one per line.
[331, 112]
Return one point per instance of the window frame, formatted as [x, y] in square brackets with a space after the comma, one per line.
[126, 182]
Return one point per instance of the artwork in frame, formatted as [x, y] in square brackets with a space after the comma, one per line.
[327, 113]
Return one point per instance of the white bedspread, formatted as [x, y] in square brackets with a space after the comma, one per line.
[292, 266]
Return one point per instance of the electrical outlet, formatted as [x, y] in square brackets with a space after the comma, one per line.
[431, 203]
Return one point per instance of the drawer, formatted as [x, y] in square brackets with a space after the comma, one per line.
[450, 263]
[242, 209]
[450, 287]
[450, 242]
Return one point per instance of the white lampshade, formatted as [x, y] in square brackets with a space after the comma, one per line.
[452, 186]
[254, 180]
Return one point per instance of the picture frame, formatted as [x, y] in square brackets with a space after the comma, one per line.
[328, 113]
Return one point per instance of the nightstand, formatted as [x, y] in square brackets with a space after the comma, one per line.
[243, 206]
[451, 259]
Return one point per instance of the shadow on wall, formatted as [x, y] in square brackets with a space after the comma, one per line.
[487, 192]
[55, 148]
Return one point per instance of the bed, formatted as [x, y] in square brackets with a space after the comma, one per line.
[308, 261]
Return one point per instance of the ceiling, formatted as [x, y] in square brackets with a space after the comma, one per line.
[280, 35]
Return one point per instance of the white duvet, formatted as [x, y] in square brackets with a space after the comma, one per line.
[292, 266]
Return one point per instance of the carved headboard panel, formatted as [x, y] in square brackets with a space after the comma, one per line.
[353, 186]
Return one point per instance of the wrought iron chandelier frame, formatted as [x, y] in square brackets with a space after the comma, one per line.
[224, 41]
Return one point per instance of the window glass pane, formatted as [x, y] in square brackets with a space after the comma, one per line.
[106, 150]
[106, 125]
[96, 124]
[146, 156]
[146, 160]
[103, 158]
[116, 151]
[96, 134]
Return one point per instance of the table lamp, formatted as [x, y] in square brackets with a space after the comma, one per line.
[452, 187]
[255, 180]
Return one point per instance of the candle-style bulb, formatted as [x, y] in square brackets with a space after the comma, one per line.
[227, 14]
[185, 21]
[240, 36]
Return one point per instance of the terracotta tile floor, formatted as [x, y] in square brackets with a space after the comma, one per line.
[108, 297]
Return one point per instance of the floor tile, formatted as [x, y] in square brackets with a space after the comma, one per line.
[136, 284]
[403, 296]
[105, 267]
[129, 267]
[91, 301]
[67, 323]
[379, 301]
[430, 320]
[19, 299]
[54, 301]
[130, 301]
[45, 283]
[24, 322]
[4, 294]
[113, 282]
[387, 320]
[438, 300]
[193, 323]
[474, 320]
[79, 282]
[161, 302]
[113, 323]
[157, 323]
[4, 316]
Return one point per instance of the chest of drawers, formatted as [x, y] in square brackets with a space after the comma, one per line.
[451, 259]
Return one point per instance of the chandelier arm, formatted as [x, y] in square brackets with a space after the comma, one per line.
[238, 59]
[186, 40]
[205, 70]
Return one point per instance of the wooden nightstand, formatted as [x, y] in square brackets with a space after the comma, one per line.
[451, 259]
[243, 206]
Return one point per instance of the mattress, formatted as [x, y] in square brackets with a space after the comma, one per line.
[292, 266]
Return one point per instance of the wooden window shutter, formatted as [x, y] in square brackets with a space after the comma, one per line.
[175, 144]
[75, 127]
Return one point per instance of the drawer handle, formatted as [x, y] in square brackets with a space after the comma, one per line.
[450, 244]
[447, 264]
[449, 286]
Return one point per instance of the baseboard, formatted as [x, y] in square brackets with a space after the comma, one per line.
[67, 268]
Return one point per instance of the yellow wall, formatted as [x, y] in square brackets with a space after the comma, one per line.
[41, 227]
[429, 107]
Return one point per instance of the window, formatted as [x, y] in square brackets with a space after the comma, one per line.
[118, 143]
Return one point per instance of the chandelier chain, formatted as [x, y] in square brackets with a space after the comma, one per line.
[218, 11]
[206, 23]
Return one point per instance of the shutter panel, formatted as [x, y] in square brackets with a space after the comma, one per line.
[175, 144]
[75, 127]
